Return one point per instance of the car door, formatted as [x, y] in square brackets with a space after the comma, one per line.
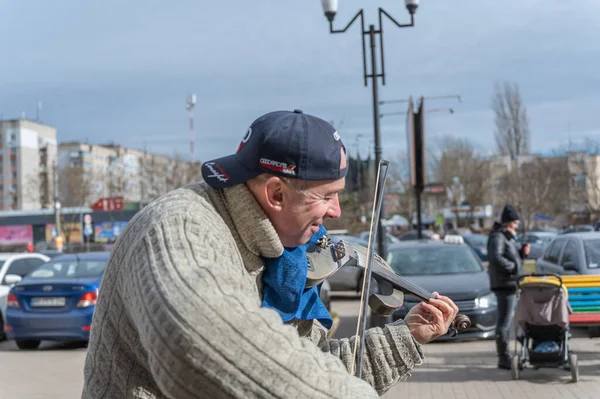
[550, 262]
[569, 262]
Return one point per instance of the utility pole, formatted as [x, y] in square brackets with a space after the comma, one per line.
[56, 202]
[190, 103]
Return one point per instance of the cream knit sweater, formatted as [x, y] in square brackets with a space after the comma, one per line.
[179, 314]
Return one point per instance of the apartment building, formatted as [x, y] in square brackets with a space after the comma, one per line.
[28, 152]
[584, 186]
[89, 172]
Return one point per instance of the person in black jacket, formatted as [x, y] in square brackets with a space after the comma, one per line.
[505, 265]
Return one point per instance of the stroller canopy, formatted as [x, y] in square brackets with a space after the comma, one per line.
[542, 302]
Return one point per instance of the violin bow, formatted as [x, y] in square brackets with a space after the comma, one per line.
[361, 326]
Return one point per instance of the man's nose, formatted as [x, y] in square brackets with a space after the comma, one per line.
[335, 210]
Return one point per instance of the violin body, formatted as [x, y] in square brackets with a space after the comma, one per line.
[328, 256]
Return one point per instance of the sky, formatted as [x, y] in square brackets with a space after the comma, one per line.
[119, 71]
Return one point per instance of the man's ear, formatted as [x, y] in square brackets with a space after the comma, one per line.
[274, 193]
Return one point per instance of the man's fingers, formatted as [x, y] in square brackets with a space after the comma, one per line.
[450, 302]
[433, 310]
[447, 300]
[444, 307]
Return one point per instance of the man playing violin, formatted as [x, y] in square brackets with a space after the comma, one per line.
[204, 293]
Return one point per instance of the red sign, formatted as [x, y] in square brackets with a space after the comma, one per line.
[109, 204]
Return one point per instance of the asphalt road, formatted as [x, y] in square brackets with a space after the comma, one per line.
[451, 370]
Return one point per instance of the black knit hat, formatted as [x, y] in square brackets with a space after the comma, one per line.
[509, 214]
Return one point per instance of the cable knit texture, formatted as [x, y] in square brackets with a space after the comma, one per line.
[179, 314]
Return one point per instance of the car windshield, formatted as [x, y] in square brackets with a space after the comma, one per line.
[476, 241]
[592, 253]
[427, 260]
[70, 269]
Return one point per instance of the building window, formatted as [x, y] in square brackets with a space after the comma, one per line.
[579, 180]
[13, 162]
[14, 175]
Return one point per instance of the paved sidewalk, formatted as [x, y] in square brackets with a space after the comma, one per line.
[467, 370]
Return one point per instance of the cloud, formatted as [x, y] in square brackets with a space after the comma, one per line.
[120, 71]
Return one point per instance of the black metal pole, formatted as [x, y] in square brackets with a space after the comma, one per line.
[419, 220]
[381, 238]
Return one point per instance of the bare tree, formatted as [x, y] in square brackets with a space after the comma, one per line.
[512, 123]
[400, 184]
[459, 167]
[584, 186]
[180, 173]
[75, 186]
[536, 187]
[34, 190]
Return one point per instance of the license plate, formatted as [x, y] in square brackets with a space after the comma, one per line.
[47, 302]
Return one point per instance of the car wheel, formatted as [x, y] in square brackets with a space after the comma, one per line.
[2, 333]
[28, 344]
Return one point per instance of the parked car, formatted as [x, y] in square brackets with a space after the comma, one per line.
[413, 235]
[325, 294]
[13, 267]
[56, 301]
[538, 242]
[578, 229]
[575, 253]
[391, 239]
[347, 278]
[479, 244]
[539, 237]
[451, 268]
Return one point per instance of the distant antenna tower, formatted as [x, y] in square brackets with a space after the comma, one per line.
[39, 110]
[190, 103]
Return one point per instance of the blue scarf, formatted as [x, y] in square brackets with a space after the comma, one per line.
[283, 286]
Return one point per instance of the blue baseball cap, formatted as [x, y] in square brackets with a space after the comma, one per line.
[285, 143]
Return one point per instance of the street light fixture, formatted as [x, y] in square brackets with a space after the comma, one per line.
[451, 110]
[330, 9]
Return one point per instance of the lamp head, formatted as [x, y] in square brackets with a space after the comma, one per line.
[411, 5]
[329, 8]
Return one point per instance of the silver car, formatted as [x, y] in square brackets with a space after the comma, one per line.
[575, 253]
[13, 267]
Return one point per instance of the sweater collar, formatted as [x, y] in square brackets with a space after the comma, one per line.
[252, 224]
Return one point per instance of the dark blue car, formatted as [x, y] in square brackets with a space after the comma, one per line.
[56, 301]
[479, 244]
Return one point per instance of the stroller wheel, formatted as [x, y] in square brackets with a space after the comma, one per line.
[514, 367]
[574, 367]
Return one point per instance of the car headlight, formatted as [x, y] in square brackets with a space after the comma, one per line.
[486, 301]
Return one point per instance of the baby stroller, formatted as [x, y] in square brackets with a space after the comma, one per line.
[542, 316]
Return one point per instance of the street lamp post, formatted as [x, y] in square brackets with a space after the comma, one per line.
[330, 9]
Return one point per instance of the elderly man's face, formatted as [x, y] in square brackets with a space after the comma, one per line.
[304, 212]
[297, 215]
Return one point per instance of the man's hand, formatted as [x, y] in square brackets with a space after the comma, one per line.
[526, 249]
[427, 321]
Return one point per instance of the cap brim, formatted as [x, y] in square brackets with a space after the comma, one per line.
[226, 172]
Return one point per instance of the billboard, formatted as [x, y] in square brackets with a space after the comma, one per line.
[70, 231]
[16, 235]
[108, 232]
